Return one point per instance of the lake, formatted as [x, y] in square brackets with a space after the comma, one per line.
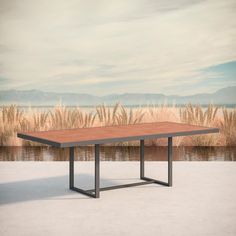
[117, 153]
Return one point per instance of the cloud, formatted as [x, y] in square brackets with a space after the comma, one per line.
[92, 46]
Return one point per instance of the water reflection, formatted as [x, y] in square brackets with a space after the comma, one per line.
[117, 153]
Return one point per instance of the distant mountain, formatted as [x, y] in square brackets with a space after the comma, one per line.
[36, 97]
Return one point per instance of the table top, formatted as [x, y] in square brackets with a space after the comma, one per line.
[119, 133]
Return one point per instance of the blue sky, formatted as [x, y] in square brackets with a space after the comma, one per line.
[225, 74]
[133, 46]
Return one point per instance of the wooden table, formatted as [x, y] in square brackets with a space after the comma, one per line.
[108, 134]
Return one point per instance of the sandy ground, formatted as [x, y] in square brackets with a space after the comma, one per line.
[35, 200]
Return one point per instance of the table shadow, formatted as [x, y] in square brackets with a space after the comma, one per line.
[46, 188]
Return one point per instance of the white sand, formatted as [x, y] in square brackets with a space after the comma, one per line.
[35, 200]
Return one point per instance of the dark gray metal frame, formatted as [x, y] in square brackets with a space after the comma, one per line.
[96, 191]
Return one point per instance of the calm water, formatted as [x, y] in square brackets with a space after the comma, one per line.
[118, 153]
[92, 108]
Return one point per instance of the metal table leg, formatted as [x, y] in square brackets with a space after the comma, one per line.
[96, 191]
[97, 167]
[93, 192]
[170, 161]
[169, 183]
[141, 158]
[71, 179]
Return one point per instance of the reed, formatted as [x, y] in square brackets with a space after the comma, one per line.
[195, 115]
[127, 116]
[40, 121]
[163, 112]
[228, 126]
[10, 120]
[13, 120]
[105, 115]
[62, 117]
[118, 115]
[160, 113]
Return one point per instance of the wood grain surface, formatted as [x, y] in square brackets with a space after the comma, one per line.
[97, 135]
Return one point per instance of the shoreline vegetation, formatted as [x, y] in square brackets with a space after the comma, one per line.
[13, 120]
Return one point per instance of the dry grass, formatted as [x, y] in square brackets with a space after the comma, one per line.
[106, 116]
[65, 118]
[159, 113]
[196, 115]
[13, 120]
[228, 127]
[128, 116]
[117, 115]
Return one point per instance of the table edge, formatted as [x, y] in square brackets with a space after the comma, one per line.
[117, 139]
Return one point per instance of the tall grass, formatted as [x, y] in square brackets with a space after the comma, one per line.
[196, 115]
[163, 112]
[228, 126]
[127, 116]
[118, 115]
[40, 121]
[106, 116]
[13, 120]
[160, 113]
[65, 118]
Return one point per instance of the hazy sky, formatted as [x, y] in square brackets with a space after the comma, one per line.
[102, 47]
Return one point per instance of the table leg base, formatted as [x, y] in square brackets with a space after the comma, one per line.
[91, 192]
[95, 192]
